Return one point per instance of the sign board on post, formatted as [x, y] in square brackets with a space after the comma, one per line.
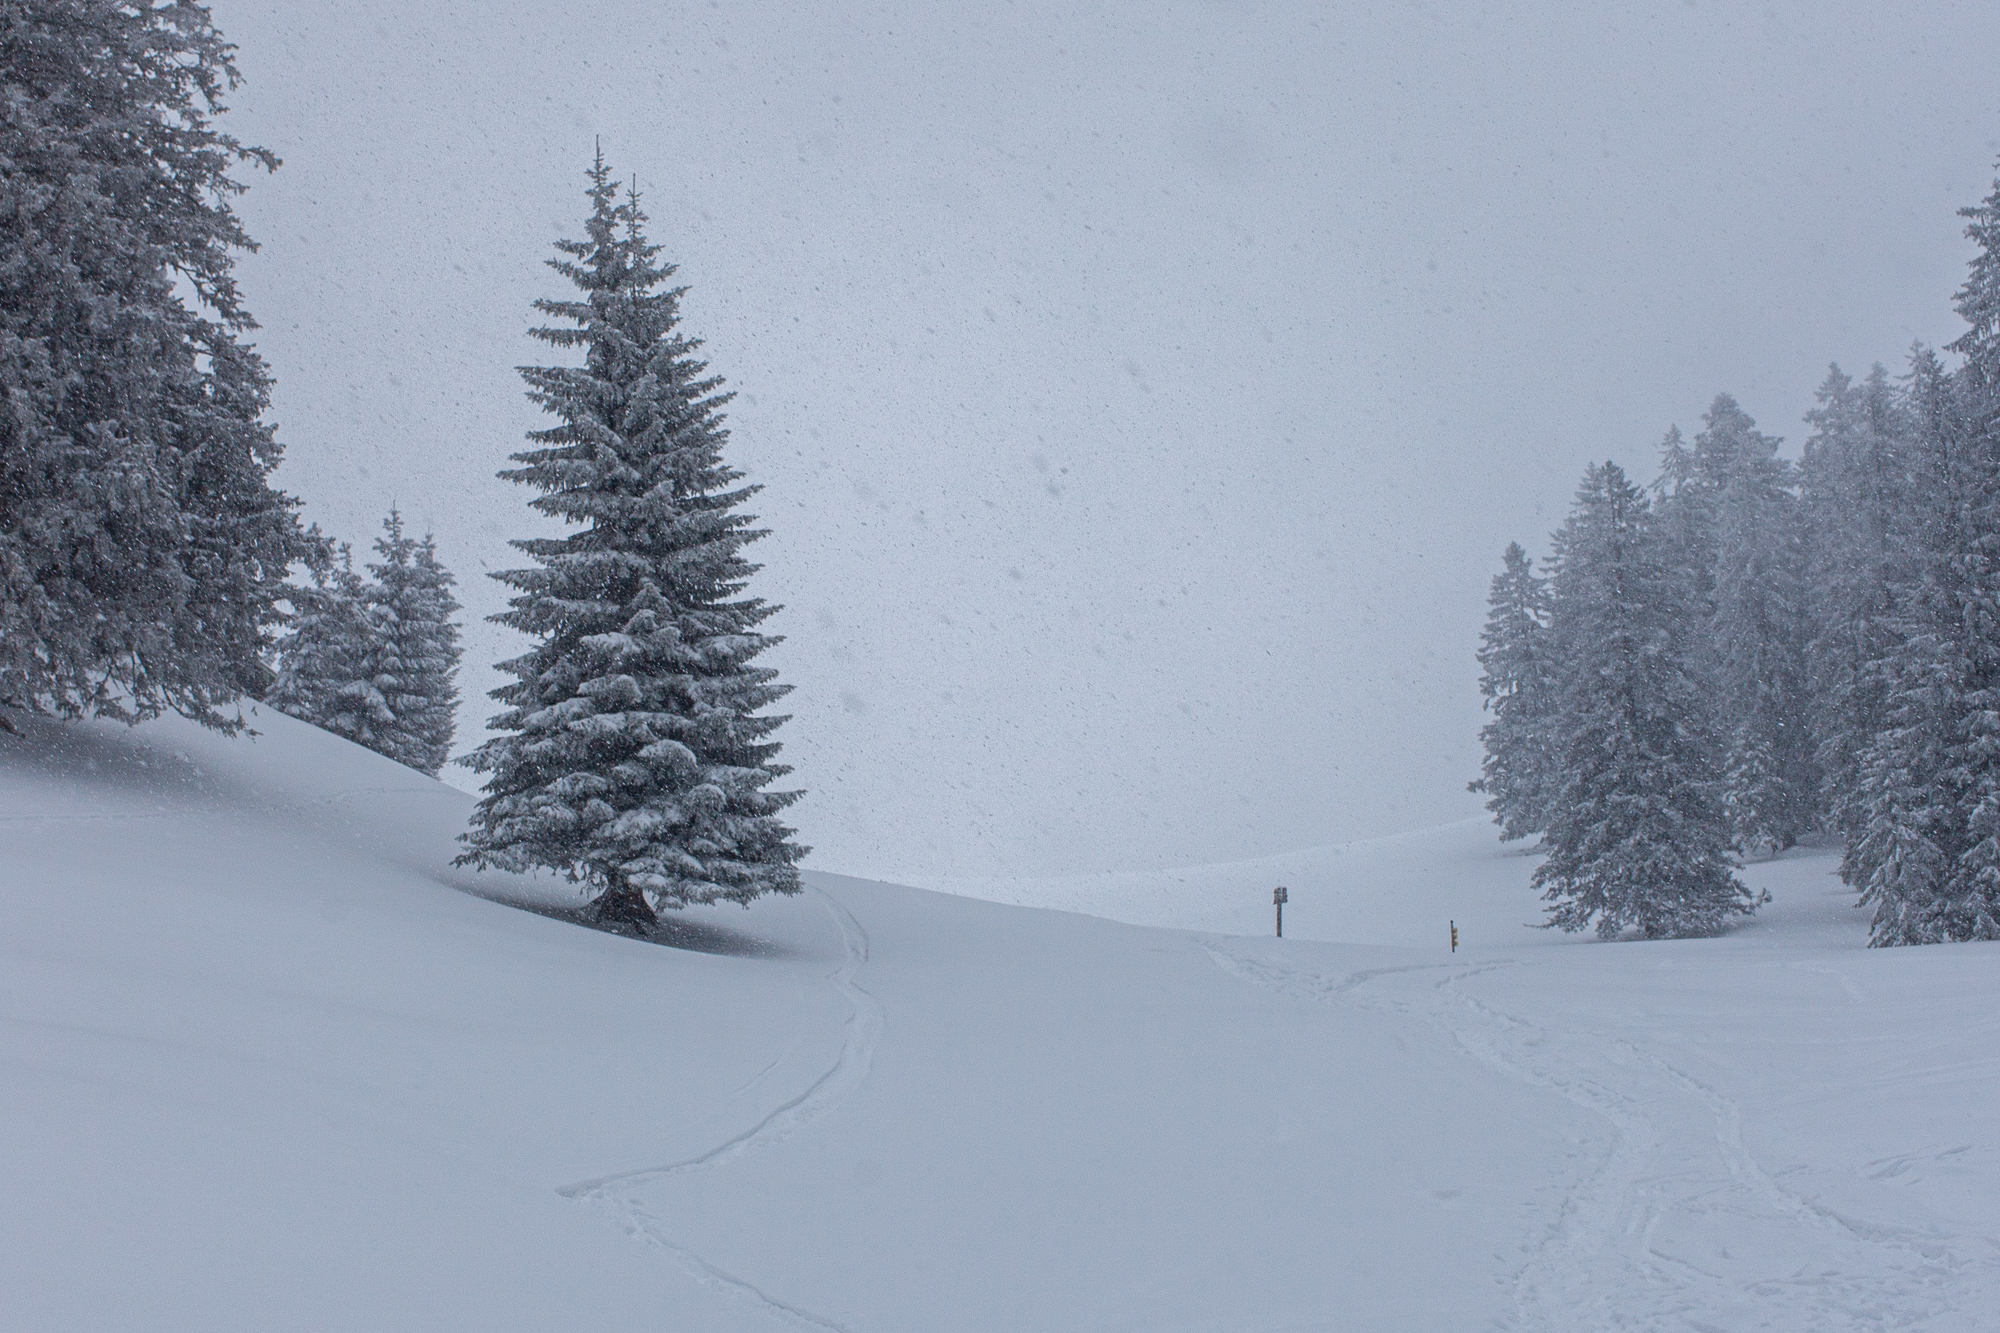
[1279, 897]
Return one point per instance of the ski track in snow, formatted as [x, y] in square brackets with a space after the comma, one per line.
[1602, 1262]
[862, 1032]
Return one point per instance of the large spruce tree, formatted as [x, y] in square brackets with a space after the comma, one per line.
[1757, 635]
[635, 755]
[142, 551]
[1978, 303]
[1852, 490]
[1927, 857]
[1637, 836]
[1924, 859]
[1518, 680]
[1728, 521]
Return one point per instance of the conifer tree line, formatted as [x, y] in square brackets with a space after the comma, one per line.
[1752, 651]
[376, 659]
[144, 554]
[146, 560]
[143, 550]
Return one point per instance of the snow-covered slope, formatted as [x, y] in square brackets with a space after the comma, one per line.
[264, 1066]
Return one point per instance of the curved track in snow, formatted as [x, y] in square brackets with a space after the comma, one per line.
[1630, 1245]
[860, 1036]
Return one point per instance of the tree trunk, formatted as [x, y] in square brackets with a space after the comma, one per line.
[623, 906]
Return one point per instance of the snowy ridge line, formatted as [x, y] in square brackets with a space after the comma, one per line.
[978, 886]
[860, 1035]
[91, 819]
[281, 807]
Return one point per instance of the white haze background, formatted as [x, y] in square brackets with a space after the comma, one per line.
[1143, 394]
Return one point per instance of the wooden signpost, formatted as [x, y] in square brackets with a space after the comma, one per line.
[1454, 937]
[1279, 897]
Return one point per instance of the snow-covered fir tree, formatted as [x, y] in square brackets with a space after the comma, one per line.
[1637, 836]
[1924, 859]
[1683, 523]
[1841, 619]
[1851, 493]
[1757, 634]
[1927, 853]
[1728, 521]
[635, 755]
[1978, 303]
[321, 663]
[1928, 857]
[376, 660]
[1978, 300]
[1518, 682]
[143, 553]
[410, 672]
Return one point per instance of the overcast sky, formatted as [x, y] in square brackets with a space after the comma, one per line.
[1143, 395]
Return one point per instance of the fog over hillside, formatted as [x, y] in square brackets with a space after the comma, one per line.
[1143, 395]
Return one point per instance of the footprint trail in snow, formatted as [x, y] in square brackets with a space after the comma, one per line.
[1673, 1224]
[860, 1035]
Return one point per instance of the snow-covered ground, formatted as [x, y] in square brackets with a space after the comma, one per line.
[264, 1066]
[1406, 890]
